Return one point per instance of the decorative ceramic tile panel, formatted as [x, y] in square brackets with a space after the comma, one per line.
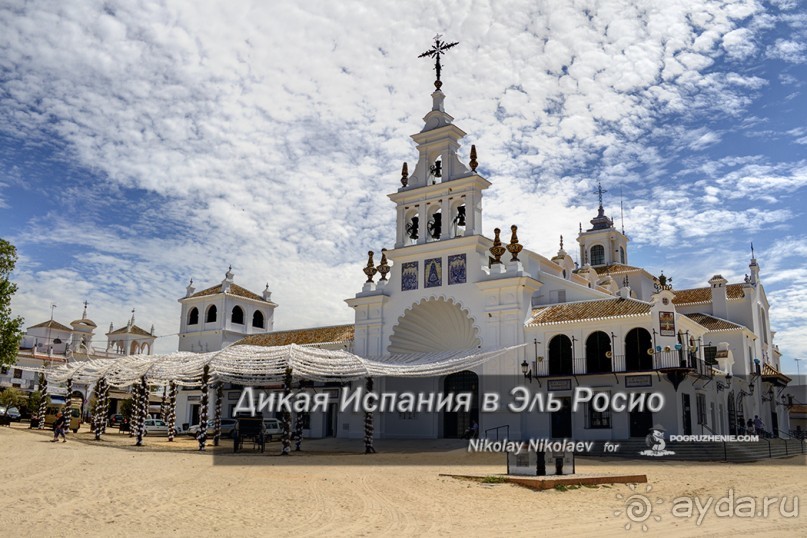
[433, 272]
[456, 269]
[409, 276]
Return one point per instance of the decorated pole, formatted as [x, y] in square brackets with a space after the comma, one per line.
[285, 438]
[368, 424]
[164, 406]
[43, 402]
[134, 410]
[172, 411]
[94, 407]
[217, 416]
[68, 404]
[298, 432]
[104, 406]
[202, 435]
[98, 410]
[142, 410]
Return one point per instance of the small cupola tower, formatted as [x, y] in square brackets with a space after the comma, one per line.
[603, 244]
[754, 268]
[442, 198]
[83, 332]
[564, 260]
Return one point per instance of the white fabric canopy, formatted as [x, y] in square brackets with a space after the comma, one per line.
[258, 365]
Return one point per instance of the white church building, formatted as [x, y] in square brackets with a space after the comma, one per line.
[606, 325]
[51, 343]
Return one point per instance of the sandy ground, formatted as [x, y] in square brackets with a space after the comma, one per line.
[111, 488]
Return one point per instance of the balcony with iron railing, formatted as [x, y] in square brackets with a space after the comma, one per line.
[659, 361]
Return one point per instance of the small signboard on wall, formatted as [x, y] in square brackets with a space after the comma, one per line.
[559, 384]
[634, 381]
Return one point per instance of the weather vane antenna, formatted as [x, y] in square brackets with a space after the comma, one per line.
[440, 47]
[621, 211]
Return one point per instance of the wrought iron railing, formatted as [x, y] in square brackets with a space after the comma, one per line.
[662, 360]
[505, 431]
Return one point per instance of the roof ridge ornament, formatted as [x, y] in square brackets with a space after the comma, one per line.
[370, 269]
[383, 267]
[497, 249]
[514, 247]
[439, 48]
[664, 282]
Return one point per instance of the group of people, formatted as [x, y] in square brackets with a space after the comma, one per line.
[755, 427]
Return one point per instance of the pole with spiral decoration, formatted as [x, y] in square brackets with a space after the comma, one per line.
[368, 424]
[172, 411]
[202, 435]
[285, 438]
[43, 402]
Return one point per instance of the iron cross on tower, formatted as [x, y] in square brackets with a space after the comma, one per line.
[439, 48]
[600, 191]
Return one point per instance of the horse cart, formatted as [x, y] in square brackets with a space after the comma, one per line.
[249, 429]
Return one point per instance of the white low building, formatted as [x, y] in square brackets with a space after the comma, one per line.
[51, 343]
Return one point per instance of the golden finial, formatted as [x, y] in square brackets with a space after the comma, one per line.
[370, 270]
[383, 267]
[405, 175]
[497, 249]
[514, 247]
[473, 162]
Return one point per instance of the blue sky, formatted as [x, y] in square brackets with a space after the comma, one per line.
[143, 144]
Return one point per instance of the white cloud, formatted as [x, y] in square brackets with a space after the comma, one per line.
[268, 136]
[739, 44]
[788, 50]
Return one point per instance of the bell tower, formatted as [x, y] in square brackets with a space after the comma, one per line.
[442, 198]
[602, 244]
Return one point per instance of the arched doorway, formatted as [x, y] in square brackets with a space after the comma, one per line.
[741, 426]
[637, 343]
[560, 355]
[455, 424]
[598, 346]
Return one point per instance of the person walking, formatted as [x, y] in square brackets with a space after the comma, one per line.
[58, 428]
[759, 426]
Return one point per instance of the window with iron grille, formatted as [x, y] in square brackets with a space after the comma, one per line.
[700, 404]
[597, 420]
[710, 354]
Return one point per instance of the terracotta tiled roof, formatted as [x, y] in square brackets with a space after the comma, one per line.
[235, 289]
[50, 324]
[588, 310]
[616, 268]
[316, 335]
[704, 295]
[712, 323]
[134, 329]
